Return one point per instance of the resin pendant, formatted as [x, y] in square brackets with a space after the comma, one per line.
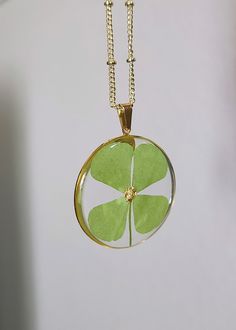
[124, 191]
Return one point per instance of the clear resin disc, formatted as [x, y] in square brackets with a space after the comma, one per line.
[124, 191]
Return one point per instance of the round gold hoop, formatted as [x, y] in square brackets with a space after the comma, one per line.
[83, 173]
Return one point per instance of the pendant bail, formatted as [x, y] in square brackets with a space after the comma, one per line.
[125, 115]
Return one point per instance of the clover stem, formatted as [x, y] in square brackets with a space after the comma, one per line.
[130, 226]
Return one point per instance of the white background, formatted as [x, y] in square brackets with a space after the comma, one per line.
[54, 112]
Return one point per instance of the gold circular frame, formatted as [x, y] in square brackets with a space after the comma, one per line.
[83, 173]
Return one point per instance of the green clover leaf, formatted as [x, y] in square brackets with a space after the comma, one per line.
[107, 221]
[112, 166]
[128, 170]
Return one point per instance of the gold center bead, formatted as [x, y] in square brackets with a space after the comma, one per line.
[130, 194]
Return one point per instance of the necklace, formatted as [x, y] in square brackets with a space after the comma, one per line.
[125, 189]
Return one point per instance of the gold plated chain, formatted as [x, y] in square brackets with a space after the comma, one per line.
[111, 62]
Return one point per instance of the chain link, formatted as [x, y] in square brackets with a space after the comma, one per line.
[111, 62]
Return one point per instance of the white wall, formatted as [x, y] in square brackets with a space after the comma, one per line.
[54, 112]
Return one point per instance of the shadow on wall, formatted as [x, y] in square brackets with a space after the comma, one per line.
[16, 298]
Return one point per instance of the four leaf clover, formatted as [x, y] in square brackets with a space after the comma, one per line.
[129, 170]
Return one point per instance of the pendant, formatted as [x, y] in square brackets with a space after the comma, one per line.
[125, 190]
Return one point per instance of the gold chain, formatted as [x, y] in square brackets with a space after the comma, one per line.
[111, 62]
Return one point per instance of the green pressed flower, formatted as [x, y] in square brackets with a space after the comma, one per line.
[129, 170]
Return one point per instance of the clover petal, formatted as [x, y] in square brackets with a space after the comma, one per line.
[150, 166]
[112, 165]
[107, 221]
[149, 212]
